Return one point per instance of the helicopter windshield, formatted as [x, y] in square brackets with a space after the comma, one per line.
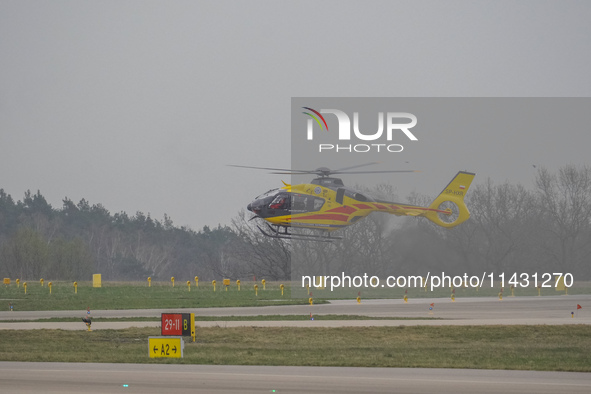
[282, 201]
[295, 203]
[271, 192]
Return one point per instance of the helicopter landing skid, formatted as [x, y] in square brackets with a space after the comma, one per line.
[275, 233]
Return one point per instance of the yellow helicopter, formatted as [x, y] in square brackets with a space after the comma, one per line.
[326, 204]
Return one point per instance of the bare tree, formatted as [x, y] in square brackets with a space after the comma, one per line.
[565, 206]
[262, 256]
[502, 215]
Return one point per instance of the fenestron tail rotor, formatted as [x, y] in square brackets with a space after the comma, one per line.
[448, 209]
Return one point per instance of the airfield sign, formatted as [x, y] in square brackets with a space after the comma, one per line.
[179, 324]
[169, 347]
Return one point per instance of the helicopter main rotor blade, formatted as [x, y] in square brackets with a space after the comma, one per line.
[322, 171]
[372, 172]
[357, 166]
[294, 173]
[271, 169]
[343, 172]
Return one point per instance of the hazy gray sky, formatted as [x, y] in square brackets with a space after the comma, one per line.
[139, 105]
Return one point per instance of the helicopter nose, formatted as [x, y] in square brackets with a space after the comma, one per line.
[249, 207]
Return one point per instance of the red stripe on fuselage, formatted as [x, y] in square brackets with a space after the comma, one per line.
[325, 216]
[344, 209]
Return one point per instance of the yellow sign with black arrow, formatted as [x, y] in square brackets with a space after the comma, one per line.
[170, 347]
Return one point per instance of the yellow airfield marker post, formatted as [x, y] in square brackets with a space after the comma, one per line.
[559, 283]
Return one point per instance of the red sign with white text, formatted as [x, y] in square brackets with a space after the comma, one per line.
[172, 324]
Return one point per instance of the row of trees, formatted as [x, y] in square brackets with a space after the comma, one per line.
[512, 229]
[37, 240]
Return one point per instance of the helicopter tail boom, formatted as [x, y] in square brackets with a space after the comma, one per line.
[448, 209]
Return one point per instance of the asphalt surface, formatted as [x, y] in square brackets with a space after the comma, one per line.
[164, 378]
[16, 378]
[550, 310]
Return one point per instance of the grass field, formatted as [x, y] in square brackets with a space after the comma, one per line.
[225, 318]
[558, 348]
[137, 295]
[486, 290]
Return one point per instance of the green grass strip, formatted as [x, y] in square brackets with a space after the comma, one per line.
[137, 295]
[224, 318]
[552, 348]
[140, 296]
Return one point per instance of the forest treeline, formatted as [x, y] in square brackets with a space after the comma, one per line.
[545, 228]
[77, 240]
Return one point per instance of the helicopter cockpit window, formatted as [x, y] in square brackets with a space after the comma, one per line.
[318, 203]
[305, 203]
[280, 202]
[360, 197]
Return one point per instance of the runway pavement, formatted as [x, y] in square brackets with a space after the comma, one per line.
[164, 378]
[20, 378]
[550, 310]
